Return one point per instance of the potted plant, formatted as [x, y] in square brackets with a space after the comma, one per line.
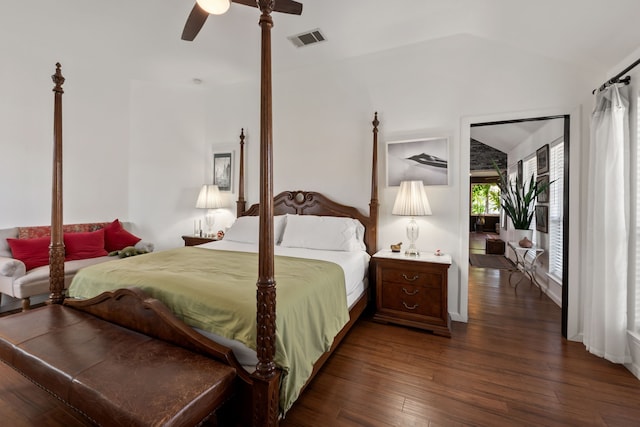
[518, 201]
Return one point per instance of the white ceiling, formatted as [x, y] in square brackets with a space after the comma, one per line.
[590, 34]
[142, 37]
[505, 137]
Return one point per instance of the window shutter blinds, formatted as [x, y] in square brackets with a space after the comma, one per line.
[556, 192]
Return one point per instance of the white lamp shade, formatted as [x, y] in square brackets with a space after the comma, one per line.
[209, 197]
[411, 200]
[215, 7]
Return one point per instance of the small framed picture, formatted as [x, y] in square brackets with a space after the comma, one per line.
[542, 159]
[542, 218]
[222, 170]
[543, 197]
[424, 159]
[520, 170]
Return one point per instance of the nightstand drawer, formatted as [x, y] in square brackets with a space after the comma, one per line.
[422, 300]
[411, 277]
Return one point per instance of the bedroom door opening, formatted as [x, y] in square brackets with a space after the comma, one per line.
[524, 140]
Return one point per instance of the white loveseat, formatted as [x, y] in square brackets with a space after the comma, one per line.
[17, 282]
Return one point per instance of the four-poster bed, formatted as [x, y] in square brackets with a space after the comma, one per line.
[255, 394]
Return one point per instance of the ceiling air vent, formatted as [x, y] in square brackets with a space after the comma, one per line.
[305, 39]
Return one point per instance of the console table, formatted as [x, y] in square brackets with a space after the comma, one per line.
[526, 259]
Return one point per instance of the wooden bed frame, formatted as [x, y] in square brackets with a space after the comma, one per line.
[257, 392]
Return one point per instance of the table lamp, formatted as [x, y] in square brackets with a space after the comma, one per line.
[210, 199]
[412, 201]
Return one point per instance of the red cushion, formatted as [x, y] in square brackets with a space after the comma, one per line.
[84, 245]
[33, 252]
[45, 230]
[117, 238]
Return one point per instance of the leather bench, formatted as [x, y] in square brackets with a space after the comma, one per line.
[113, 375]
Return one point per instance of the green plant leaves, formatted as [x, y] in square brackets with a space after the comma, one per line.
[518, 200]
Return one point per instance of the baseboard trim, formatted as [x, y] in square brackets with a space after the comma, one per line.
[634, 347]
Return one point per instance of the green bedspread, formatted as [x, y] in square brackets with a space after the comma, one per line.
[216, 291]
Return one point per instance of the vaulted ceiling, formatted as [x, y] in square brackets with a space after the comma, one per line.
[505, 137]
[590, 34]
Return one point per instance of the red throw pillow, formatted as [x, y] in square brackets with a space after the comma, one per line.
[117, 238]
[84, 245]
[33, 252]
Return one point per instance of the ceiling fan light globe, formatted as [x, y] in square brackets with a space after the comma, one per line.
[214, 7]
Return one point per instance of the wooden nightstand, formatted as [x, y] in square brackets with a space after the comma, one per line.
[196, 240]
[413, 291]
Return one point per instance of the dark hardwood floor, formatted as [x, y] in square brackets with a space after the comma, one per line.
[509, 366]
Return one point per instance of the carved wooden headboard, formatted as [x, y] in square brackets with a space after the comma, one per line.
[312, 203]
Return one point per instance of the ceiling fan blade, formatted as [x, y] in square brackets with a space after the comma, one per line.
[288, 6]
[284, 6]
[194, 23]
[252, 3]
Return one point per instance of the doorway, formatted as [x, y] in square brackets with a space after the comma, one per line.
[500, 135]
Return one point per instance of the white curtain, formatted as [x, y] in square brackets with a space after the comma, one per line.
[606, 240]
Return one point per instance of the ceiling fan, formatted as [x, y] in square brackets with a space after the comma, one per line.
[202, 9]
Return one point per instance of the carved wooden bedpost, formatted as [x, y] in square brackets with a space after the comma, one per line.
[373, 205]
[56, 248]
[241, 204]
[266, 386]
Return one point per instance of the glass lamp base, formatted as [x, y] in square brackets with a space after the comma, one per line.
[412, 251]
[209, 220]
[412, 234]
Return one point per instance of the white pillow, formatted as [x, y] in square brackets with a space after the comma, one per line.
[360, 235]
[323, 232]
[5, 233]
[246, 229]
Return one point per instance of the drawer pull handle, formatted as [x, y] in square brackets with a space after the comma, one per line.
[413, 307]
[409, 293]
[413, 279]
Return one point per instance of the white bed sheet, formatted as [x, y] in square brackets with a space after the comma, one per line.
[354, 264]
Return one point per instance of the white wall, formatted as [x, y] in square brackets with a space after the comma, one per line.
[95, 115]
[167, 156]
[95, 139]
